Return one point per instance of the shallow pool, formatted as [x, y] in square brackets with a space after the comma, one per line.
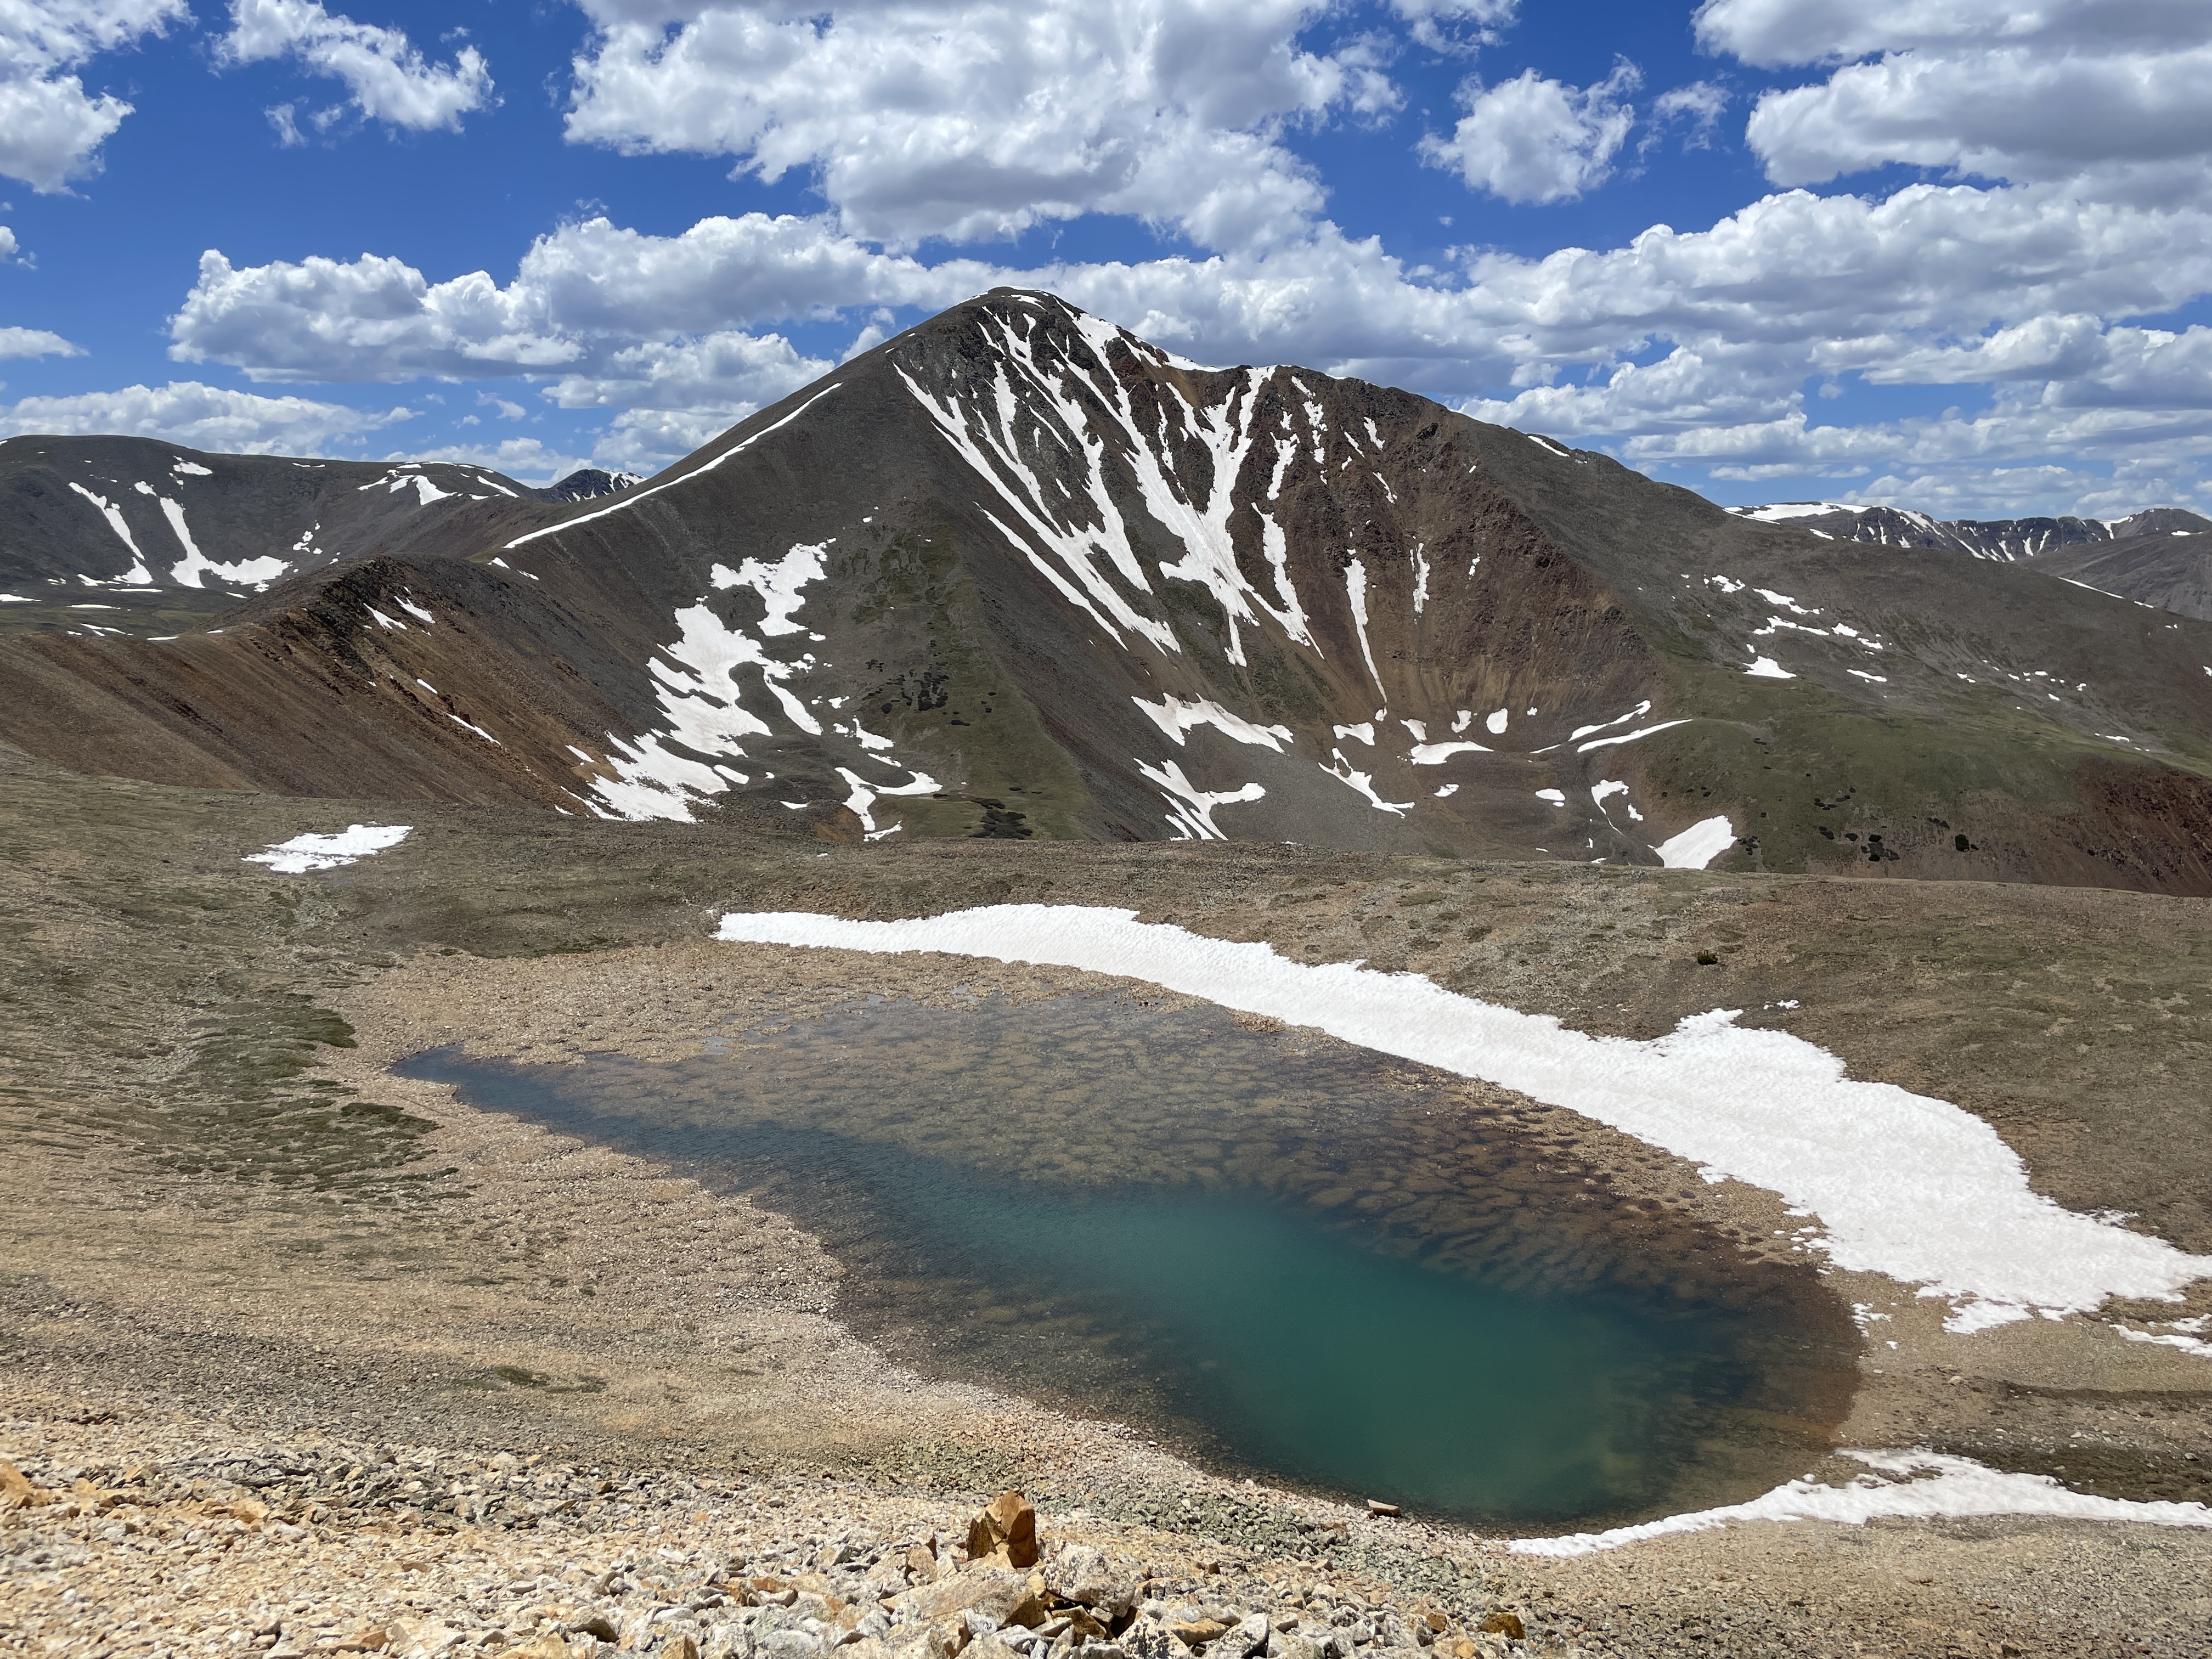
[1285, 1256]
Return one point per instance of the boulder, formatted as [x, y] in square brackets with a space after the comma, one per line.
[1108, 1585]
[939, 1639]
[1150, 1638]
[1009, 1522]
[1247, 1636]
[1199, 1632]
[792, 1645]
[989, 1647]
[993, 1591]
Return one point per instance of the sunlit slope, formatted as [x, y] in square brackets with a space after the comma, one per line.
[1017, 572]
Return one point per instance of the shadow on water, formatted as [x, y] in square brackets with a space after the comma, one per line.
[1285, 1256]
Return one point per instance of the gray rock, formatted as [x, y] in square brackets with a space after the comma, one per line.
[1150, 1638]
[1106, 1584]
[994, 1592]
[874, 1623]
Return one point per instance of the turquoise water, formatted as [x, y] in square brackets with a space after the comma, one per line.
[1282, 1256]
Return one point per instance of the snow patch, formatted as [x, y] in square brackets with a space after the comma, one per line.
[1364, 783]
[1176, 717]
[778, 584]
[862, 799]
[1697, 846]
[138, 574]
[1766, 668]
[401, 480]
[194, 570]
[1190, 808]
[1923, 1486]
[1495, 722]
[1355, 588]
[348, 845]
[1782, 512]
[1606, 789]
[1628, 737]
[1581, 731]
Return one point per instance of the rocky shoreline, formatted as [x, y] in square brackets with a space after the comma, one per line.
[195, 1539]
[151, 1533]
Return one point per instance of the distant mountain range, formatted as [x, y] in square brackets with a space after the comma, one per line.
[1017, 572]
[2161, 557]
[138, 513]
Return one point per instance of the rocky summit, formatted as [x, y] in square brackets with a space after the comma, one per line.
[1017, 572]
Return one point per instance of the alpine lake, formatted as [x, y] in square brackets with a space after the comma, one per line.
[1282, 1256]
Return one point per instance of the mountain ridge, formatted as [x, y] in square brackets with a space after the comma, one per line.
[1017, 571]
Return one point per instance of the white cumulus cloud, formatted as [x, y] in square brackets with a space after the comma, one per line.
[371, 319]
[727, 370]
[51, 127]
[978, 118]
[1456, 24]
[1998, 88]
[1776, 33]
[200, 416]
[36, 343]
[385, 76]
[524, 459]
[1531, 139]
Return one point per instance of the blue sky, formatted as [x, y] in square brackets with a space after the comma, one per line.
[1951, 254]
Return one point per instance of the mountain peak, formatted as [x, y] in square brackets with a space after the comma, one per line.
[1019, 572]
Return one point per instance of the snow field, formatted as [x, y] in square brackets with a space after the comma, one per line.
[1697, 846]
[1929, 1486]
[348, 845]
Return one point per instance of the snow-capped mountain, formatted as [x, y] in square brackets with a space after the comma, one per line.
[137, 513]
[1019, 572]
[588, 483]
[2161, 556]
[2004, 539]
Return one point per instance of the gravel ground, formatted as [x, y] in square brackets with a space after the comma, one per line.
[157, 1533]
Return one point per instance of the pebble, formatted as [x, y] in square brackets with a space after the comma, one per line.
[187, 1537]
